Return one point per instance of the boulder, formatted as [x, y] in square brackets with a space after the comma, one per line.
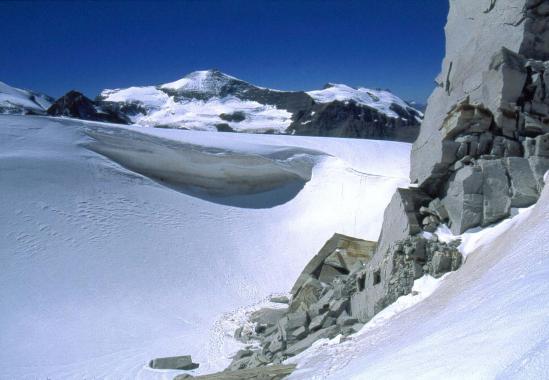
[464, 200]
[346, 320]
[268, 316]
[299, 333]
[280, 299]
[174, 362]
[443, 262]
[317, 322]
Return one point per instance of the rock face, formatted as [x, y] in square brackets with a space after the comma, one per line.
[74, 104]
[481, 149]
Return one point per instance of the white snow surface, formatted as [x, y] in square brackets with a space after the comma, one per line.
[22, 100]
[104, 269]
[378, 99]
[488, 320]
[202, 115]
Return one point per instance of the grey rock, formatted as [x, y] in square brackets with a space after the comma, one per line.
[303, 344]
[280, 299]
[490, 78]
[296, 320]
[345, 320]
[542, 146]
[300, 333]
[438, 209]
[463, 200]
[465, 118]
[443, 262]
[539, 165]
[495, 188]
[343, 245]
[329, 321]
[529, 145]
[277, 345]
[174, 362]
[318, 322]
[328, 273]
[524, 187]
[502, 86]
[242, 354]
[268, 316]
[307, 294]
[400, 218]
[337, 307]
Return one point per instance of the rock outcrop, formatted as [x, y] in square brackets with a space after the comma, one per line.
[483, 142]
[76, 105]
[340, 289]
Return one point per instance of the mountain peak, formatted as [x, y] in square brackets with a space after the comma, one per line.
[207, 81]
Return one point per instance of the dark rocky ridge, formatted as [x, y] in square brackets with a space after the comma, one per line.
[351, 119]
[76, 105]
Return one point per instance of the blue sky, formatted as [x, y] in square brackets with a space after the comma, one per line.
[290, 45]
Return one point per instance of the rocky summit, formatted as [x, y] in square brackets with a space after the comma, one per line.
[76, 105]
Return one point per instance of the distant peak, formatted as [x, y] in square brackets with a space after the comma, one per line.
[209, 80]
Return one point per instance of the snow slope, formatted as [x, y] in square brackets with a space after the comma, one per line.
[488, 320]
[14, 100]
[104, 268]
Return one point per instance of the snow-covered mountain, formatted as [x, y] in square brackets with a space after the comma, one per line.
[384, 101]
[17, 101]
[214, 101]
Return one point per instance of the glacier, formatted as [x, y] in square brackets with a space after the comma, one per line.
[106, 266]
